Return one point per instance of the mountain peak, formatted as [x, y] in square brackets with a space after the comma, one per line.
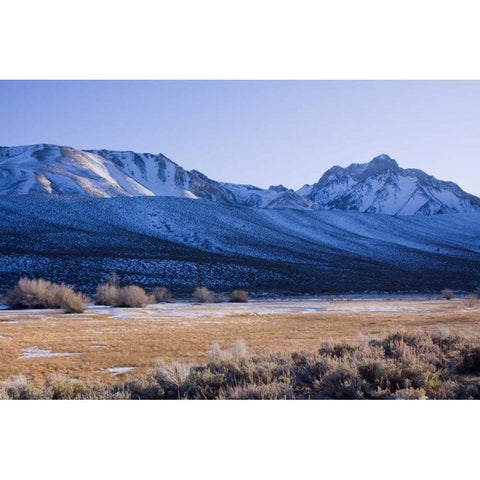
[383, 161]
[382, 186]
[377, 165]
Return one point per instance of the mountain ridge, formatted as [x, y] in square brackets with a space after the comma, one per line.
[378, 186]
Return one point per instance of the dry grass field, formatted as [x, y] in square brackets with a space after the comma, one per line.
[114, 344]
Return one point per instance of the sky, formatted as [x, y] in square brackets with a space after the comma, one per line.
[257, 132]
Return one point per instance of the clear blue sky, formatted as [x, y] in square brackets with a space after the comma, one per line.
[258, 132]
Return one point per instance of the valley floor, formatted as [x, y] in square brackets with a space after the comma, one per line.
[113, 344]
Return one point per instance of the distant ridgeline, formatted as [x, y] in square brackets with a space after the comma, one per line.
[379, 186]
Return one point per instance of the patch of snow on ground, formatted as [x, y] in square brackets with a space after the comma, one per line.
[119, 370]
[35, 352]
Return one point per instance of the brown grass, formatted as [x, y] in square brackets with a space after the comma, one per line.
[102, 341]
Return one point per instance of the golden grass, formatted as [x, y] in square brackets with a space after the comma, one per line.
[103, 341]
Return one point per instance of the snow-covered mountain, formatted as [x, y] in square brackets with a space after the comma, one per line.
[59, 170]
[378, 186]
[381, 186]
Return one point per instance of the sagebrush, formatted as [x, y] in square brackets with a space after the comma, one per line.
[401, 365]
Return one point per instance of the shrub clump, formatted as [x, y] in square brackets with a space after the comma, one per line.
[31, 293]
[239, 296]
[17, 388]
[69, 300]
[203, 295]
[39, 293]
[447, 294]
[471, 300]
[236, 351]
[59, 387]
[161, 294]
[131, 296]
[106, 294]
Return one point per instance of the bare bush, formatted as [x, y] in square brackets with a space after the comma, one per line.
[59, 387]
[263, 391]
[131, 296]
[161, 294]
[471, 300]
[447, 294]
[17, 388]
[239, 296]
[236, 351]
[203, 295]
[443, 332]
[69, 300]
[172, 376]
[106, 294]
[31, 293]
[39, 293]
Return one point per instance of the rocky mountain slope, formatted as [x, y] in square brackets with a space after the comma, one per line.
[379, 186]
[50, 169]
[182, 243]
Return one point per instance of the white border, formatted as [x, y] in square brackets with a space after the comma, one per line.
[248, 39]
[233, 439]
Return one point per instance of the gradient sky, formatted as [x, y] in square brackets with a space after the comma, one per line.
[258, 132]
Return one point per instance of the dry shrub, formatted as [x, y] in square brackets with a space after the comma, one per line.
[447, 294]
[471, 300]
[173, 377]
[203, 295]
[411, 394]
[106, 294]
[236, 351]
[470, 360]
[161, 294]
[265, 391]
[131, 296]
[69, 300]
[39, 293]
[17, 388]
[59, 387]
[28, 293]
[239, 296]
